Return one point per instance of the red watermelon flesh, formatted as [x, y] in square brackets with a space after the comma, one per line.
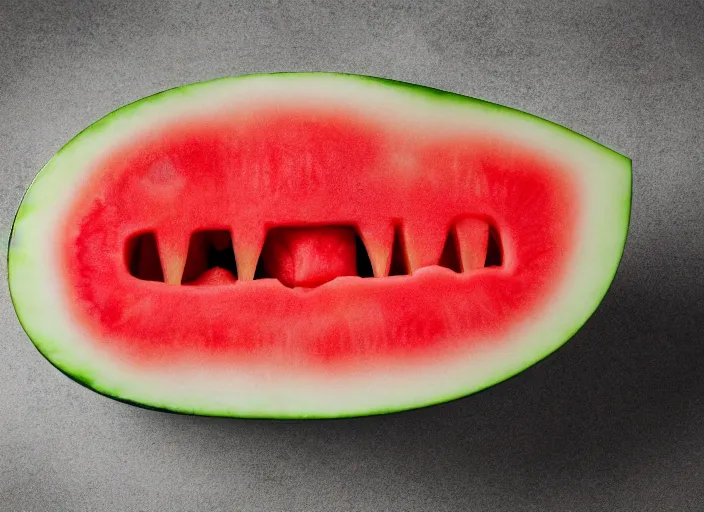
[244, 172]
[310, 256]
[315, 239]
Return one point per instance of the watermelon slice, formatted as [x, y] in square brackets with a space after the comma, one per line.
[302, 245]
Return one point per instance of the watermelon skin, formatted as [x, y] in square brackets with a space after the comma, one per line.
[134, 378]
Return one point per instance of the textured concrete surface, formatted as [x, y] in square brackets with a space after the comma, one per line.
[613, 421]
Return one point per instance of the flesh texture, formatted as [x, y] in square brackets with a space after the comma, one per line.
[302, 168]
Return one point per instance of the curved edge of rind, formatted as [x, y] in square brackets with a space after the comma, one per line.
[417, 89]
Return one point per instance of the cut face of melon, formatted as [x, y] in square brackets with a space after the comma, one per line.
[303, 245]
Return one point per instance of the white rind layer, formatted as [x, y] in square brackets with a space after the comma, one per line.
[40, 301]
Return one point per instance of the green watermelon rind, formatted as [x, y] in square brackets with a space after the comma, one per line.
[87, 375]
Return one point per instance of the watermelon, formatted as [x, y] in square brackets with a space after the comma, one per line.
[313, 245]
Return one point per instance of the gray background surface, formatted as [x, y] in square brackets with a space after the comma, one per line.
[613, 421]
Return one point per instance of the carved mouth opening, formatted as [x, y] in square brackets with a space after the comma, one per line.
[310, 256]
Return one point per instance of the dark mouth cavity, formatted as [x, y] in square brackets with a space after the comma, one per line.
[213, 249]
